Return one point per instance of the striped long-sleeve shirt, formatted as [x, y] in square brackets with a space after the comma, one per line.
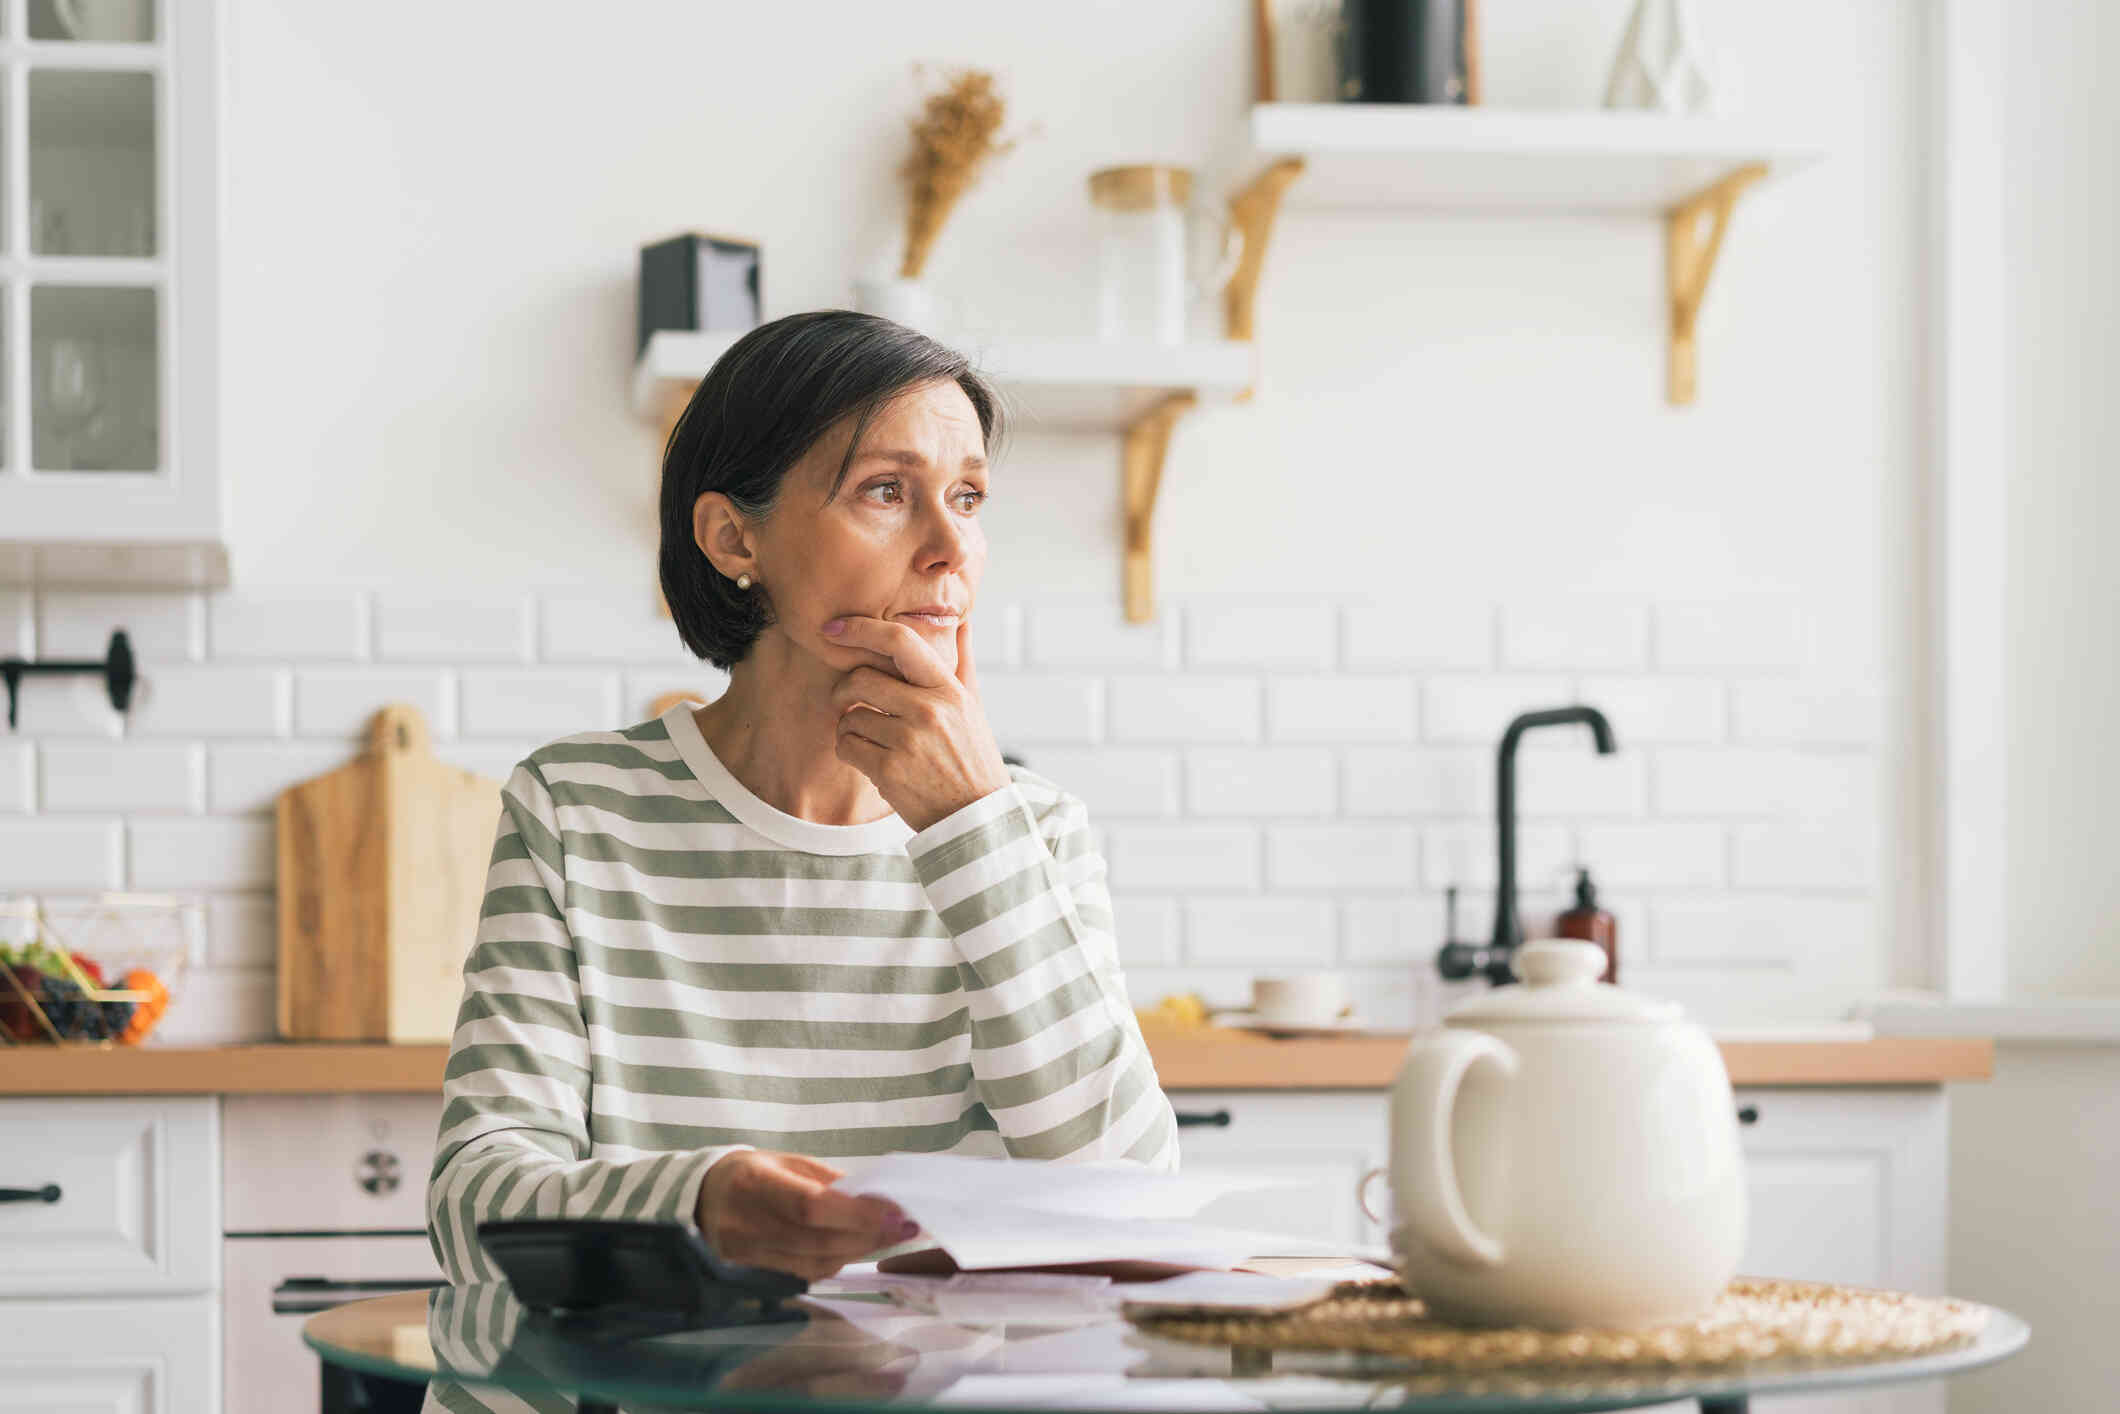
[667, 967]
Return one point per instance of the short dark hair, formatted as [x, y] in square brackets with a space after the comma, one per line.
[762, 405]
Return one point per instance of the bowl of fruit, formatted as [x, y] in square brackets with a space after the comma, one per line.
[91, 973]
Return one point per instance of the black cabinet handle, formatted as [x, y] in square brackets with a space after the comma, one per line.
[1748, 1114]
[49, 1193]
[1188, 1119]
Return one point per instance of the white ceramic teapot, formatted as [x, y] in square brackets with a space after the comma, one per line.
[1565, 1154]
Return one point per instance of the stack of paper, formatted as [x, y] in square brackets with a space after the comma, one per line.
[1026, 1213]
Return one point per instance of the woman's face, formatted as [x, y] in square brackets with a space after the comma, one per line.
[900, 535]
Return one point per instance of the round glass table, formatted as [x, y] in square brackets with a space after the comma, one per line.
[860, 1351]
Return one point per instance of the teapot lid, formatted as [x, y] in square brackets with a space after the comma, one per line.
[1560, 984]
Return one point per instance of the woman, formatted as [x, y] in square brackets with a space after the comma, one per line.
[820, 918]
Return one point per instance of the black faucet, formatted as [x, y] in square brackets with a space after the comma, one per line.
[1458, 960]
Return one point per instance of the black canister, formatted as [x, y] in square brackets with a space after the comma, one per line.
[1403, 51]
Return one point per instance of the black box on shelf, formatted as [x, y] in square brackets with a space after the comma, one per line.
[693, 282]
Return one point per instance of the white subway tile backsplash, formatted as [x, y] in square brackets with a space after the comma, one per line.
[1653, 856]
[1341, 856]
[997, 635]
[1807, 713]
[1259, 781]
[211, 702]
[640, 690]
[73, 705]
[1114, 782]
[1814, 854]
[1744, 929]
[1557, 780]
[1340, 708]
[495, 760]
[603, 628]
[1025, 709]
[210, 853]
[1291, 782]
[1289, 932]
[1583, 633]
[1465, 855]
[1280, 633]
[1194, 708]
[1406, 930]
[17, 774]
[1732, 633]
[114, 778]
[245, 777]
[162, 626]
[341, 702]
[328, 625]
[1409, 633]
[418, 629]
[242, 930]
[1649, 710]
[1184, 857]
[222, 1006]
[547, 702]
[1451, 782]
[1147, 929]
[1096, 635]
[1479, 709]
[1741, 782]
[40, 854]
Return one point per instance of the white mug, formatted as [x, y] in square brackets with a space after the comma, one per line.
[105, 21]
[1306, 999]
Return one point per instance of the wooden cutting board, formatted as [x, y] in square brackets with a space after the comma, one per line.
[382, 868]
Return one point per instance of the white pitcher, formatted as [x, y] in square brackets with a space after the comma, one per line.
[1565, 1154]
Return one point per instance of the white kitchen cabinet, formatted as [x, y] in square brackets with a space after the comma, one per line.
[110, 1291]
[123, 1357]
[1845, 1185]
[109, 465]
[136, 1196]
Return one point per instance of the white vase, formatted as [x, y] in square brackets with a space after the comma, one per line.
[909, 302]
[1662, 63]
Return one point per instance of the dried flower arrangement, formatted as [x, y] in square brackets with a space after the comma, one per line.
[957, 130]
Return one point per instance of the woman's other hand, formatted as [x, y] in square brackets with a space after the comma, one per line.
[761, 1208]
[915, 728]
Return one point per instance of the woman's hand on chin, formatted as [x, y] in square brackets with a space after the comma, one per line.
[911, 726]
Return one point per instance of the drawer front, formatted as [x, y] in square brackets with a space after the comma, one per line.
[111, 1357]
[327, 1163]
[1314, 1145]
[138, 1185]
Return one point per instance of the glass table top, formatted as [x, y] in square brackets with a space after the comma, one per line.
[861, 1351]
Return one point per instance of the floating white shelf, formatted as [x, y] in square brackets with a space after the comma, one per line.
[1048, 384]
[1376, 156]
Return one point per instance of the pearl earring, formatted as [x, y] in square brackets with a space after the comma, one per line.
[743, 581]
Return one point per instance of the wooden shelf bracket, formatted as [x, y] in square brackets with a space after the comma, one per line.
[1689, 259]
[1252, 211]
[1141, 476]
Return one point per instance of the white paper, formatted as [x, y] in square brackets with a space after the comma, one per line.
[1246, 1290]
[1023, 1212]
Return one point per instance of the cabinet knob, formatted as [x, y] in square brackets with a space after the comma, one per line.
[378, 1173]
[1748, 1114]
[49, 1193]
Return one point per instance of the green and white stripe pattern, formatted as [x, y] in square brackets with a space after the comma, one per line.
[667, 967]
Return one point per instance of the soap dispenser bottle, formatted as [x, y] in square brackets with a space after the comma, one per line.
[1591, 924]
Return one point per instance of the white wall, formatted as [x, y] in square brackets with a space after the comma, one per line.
[2061, 130]
[1459, 490]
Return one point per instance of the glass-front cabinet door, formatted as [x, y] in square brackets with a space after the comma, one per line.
[107, 223]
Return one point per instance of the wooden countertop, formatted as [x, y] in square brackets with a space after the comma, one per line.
[1224, 1060]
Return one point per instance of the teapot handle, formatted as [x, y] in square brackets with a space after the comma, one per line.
[1423, 1100]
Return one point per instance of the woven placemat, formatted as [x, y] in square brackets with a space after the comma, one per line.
[1754, 1320]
